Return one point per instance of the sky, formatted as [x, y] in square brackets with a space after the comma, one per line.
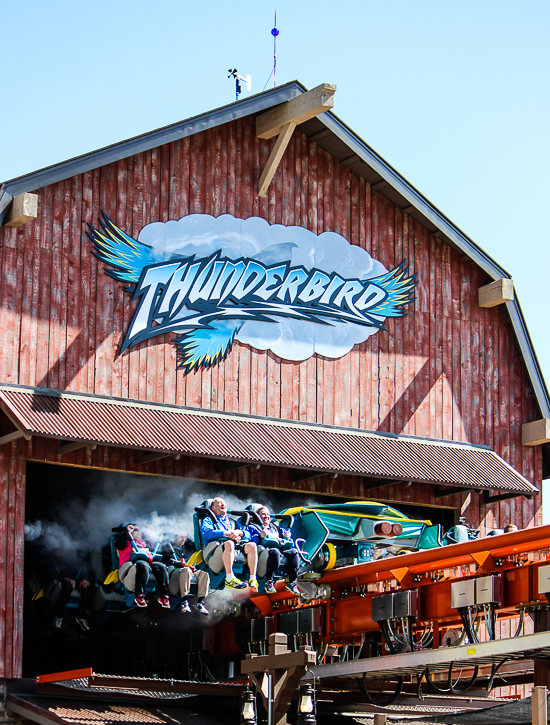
[454, 95]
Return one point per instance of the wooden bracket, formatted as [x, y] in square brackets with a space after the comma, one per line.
[24, 207]
[282, 120]
[487, 498]
[300, 475]
[235, 465]
[155, 456]
[9, 437]
[62, 447]
[440, 492]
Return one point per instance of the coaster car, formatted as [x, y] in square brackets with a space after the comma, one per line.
[306, 528]
[360, 531]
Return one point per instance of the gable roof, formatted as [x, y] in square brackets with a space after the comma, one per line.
[331, 134]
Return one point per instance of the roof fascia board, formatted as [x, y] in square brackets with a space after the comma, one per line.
[414, 197]
[5, 200]
[145, 142]
[529, 356]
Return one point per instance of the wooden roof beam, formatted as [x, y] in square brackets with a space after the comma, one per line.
[297, 110]
[24, 208]
[496, 293]
[282, 120]
[536, 433]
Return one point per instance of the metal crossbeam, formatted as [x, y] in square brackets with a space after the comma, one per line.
[530, 646]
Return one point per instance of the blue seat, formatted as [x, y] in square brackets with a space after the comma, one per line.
[216, 572]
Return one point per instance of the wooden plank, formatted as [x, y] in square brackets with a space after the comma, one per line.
[275, 158]
[5, 453]
[73, 330]
[297, 110]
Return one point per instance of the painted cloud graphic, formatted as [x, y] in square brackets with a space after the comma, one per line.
[212, 280]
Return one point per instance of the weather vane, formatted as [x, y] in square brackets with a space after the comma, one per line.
[238, 88]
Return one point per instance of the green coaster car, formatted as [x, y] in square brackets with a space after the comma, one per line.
[360, 531]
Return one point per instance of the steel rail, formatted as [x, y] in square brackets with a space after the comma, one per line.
[530, 646]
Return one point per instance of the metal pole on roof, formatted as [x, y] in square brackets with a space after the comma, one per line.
[275, 33]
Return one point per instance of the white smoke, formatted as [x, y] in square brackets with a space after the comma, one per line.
[73, 527]
[202, 235]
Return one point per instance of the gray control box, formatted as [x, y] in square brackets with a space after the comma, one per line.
[488, 590]
[544, 579]
[405, 604]
[382, 607]
[463, 593]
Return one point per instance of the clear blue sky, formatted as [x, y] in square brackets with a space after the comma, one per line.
[453, 94]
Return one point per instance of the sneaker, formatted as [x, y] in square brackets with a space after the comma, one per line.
[164, 602]
[234, 583]
[83, 624]
[185, 608]
[58, 622]
[201, 609]
[140, 601]
[253, 584]
[269, 587]
[293, 587]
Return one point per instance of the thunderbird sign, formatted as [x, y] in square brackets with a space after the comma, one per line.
[210, 281]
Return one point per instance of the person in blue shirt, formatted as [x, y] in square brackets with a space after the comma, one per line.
[232, 538]
[281, 549]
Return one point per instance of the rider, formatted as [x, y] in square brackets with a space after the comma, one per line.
[234, 538]
[127, 534]
[280, 547]
[172, 556]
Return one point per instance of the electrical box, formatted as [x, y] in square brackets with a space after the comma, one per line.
[544, 579]
[262, 627]
[382, 607]
[488, 590]
[243, 631]
[309, 620]
[288, 623]
[463, 593]
[405, 604]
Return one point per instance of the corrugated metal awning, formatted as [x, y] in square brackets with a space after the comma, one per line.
[172, 429]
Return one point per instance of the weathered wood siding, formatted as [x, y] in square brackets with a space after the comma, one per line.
[448, 369]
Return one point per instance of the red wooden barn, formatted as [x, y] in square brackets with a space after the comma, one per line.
[423, 391]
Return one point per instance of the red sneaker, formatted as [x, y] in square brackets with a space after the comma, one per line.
[164, 602]
[140, 601]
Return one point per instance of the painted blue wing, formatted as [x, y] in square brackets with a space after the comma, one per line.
[127, 256]
[206, 346]
[399, 288]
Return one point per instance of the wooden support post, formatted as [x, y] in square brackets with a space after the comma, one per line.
[275, 157]
[24, 207]
[496, 293]
[380, 719]
[539, 707]
[286, 668]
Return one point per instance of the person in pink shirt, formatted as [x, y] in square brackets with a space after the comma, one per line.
[128, 539]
